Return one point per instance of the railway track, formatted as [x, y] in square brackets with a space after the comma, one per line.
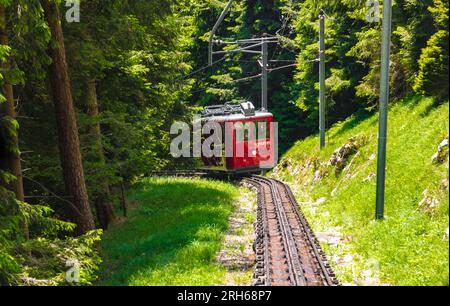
[287, 252]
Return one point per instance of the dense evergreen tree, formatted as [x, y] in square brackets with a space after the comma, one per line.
[120, 77]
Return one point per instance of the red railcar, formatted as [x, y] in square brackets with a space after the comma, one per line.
[248, 139]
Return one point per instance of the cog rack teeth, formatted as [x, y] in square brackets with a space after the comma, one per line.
[280, 237]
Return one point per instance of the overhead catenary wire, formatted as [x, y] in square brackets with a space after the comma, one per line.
[202, 69]
[258, 75]
[271, 39]
[214, 30]
[282, 67]
[285, 61]
[224, 57]
[292, 65]
[245, 79]
[326, 15]
[247, 41]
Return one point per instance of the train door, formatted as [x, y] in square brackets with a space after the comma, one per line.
[252, 144]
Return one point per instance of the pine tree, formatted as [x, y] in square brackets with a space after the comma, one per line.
[69, 143]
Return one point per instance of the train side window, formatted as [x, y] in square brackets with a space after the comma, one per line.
[238, 129]
[261, 129]
[245, 131]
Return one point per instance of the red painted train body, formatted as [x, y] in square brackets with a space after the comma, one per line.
[248, 139]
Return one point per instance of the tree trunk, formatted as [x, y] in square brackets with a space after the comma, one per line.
[69, 142]
[105, 211]
[12, 159]
[123, 200]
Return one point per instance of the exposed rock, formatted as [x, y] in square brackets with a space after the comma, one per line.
[284, 163]
[445, 234]
[341, 155]
[320, 201]
[370, 177]
[319, 175]
[428, 203]
[442, 152]
[369, 281]
[444, 183]
[331, 238]
[348, 258]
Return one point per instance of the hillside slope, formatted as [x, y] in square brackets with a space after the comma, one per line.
[337, 194]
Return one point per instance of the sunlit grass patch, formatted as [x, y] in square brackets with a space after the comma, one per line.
[172, 236]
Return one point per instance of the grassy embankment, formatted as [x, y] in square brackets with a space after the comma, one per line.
[410, 247]
[172, 236]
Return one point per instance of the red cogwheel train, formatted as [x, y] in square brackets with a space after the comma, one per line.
[249, 142]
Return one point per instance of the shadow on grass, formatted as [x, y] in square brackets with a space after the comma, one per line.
[355, 120]
[170, 218]
[414, 101]
[362, 115]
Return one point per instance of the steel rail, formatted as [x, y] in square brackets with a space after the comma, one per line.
[315, 263]
[318, 252]
[295, 271]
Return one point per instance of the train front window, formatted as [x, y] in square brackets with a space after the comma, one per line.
[251, 131]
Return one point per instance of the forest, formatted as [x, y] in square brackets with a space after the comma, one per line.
[88, 97]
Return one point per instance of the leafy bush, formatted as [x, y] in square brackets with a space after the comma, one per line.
[42, 259]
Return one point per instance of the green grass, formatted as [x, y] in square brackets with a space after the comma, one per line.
[408, 247]
[172, 235]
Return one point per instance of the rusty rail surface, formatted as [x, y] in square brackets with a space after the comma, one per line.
[287, 252]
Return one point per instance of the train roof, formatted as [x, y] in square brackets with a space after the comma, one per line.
[238, 117]
[233, 112]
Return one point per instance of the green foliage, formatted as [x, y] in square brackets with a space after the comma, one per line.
[9, 267]
[433, 67]
[432, 78]
[353, 55]
[8, 128]
[45, 259]
[136, 52]
[216, 85]
[41, 260]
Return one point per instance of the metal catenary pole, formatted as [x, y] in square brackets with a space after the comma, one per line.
[384, 99]
[322, 102]
[214, 30]
[264, 99]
